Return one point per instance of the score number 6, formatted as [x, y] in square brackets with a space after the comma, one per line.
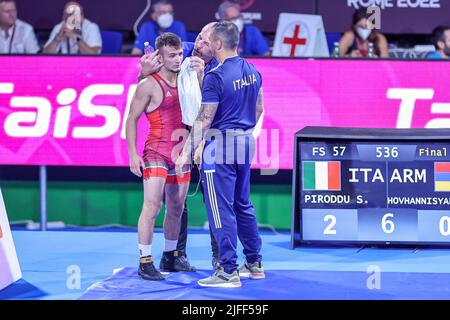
[387, 225]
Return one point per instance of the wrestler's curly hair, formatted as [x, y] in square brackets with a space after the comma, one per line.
[168, 39]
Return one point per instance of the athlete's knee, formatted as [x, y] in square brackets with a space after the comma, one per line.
[175, 208]
[151, 207]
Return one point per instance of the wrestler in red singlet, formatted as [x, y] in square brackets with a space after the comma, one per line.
[164, 121]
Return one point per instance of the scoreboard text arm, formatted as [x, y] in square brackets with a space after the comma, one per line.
[371, 186]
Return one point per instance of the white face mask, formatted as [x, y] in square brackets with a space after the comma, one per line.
[363, 33]
[165, 20]
[239, 22]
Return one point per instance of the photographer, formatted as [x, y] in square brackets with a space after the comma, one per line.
[75, 34]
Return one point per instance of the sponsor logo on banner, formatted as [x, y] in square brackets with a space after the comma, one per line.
[408, 98]
[322, 175]
[46, 118]
[39, 113]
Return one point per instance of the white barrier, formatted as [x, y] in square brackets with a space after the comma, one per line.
[9, 265]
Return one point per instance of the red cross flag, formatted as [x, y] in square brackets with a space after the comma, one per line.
[300, 35]
[9, 265]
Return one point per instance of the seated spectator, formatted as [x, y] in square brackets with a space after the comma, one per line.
[252, 42]
[355, 41]
[441, 40]
[162, 21]
[16, 36]
[75, 34]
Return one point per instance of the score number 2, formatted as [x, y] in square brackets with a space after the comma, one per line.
[329, 228]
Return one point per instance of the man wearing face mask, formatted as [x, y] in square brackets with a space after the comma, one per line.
[75, 34]
[162, 21]
[441, 40]
[251, 42]
[355, 41]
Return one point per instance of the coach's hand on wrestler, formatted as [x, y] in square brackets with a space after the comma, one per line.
[181, 162]
[150, 64]
[198, 65]
[136, 163]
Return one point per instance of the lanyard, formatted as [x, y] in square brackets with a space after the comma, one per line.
[12, 39]
[68, 45]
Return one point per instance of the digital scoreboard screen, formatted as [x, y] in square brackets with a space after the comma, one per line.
[382, 186]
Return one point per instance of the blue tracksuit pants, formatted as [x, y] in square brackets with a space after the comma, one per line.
[230, 211]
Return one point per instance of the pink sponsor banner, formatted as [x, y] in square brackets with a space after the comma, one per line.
[72, 110]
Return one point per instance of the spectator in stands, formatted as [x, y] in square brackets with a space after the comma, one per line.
[16, 36]
[355, 41]
[75, 34]
[252, 42]
[162, 21]
[441, 40]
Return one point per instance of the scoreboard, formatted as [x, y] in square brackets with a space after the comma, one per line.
[371, 186]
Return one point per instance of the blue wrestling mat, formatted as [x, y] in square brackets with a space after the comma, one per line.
[48, 260]
[279, 285]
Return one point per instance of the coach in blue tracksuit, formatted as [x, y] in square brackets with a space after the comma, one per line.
[232, 103]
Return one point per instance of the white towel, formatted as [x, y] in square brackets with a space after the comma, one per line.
[257, 129]
[189, 93]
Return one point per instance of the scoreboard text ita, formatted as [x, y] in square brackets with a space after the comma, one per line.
[366, 191]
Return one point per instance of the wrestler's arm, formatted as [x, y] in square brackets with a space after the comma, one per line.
[141, 99]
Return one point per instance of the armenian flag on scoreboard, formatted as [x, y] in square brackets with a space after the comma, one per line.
[442, 176]
[321, 175]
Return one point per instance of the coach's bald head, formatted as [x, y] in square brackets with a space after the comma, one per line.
[202, 43]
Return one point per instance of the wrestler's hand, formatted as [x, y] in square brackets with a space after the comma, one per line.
[180, 163]
[198, 65]
[136, 163]
[150, 64]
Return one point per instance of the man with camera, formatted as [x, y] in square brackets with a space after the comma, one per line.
[75, 34]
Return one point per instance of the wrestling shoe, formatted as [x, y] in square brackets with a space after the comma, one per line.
[147, 269]
[253, 271]
[221, 279]
[182, 264]
[172, 261]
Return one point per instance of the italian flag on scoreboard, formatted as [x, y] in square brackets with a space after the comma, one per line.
[321, 175]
